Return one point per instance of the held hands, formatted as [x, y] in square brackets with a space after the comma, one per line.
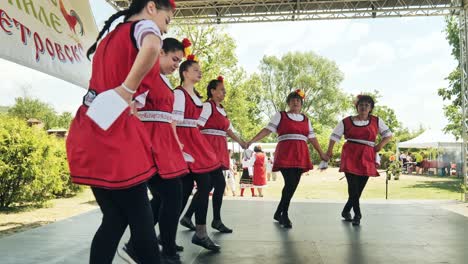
[243, 144]
[324, 156]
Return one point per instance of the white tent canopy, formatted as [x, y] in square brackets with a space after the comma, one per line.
[266, 147]
[431, 139]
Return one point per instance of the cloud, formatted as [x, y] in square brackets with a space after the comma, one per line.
[369, 57]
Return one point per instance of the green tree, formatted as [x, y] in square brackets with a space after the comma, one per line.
[215, 50]
[452, 93]
[26, 108]
[31, 168]
[316, 75]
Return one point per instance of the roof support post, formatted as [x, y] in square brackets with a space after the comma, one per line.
[464, 91]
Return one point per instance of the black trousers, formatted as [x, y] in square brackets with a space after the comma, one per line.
[291, 176]
[200, 200]
[219, 184]
[166, 205]
[122, 208]
[356, 185]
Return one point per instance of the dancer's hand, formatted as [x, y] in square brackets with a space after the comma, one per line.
[124, 94]
[243, 144]
[324, 157]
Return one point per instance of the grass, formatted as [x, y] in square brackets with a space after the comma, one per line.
[327, 185]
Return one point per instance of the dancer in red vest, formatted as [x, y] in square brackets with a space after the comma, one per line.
[358, 157]
[259, 174]
[292, 154]
[215, 127]
[166, 185]
[187, 110]
[107, 146]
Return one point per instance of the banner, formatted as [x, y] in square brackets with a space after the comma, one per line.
[51, 36]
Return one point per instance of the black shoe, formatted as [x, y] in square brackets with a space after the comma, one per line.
[127, 254]
[177, 247]
[285, 222]
[205, 242]
[187, 222]
[277, 216]
[347, 216]
[218, 225]
[356, 220]
[170, 259]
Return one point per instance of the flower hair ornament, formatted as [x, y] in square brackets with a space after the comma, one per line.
[357, 99]
[187, 47]
[220, 78]
[192, 57]
[173, 4]
[300, 93]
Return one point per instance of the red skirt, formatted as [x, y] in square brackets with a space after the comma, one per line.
[292, 154]
[358, 159]
[219, 145]
[259, 177]
[117, 158]
[199, 148]
[168, 156]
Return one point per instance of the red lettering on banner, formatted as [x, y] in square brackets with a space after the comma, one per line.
[64, 52]
[67, 52]
[50, 48]
[60, 54]
[5, 19]
[38, 44]
[24, 31]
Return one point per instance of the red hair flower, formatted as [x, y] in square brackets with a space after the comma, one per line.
[192, 57]
[172, 3]
[300, 93]
[220, 78]
[186, 43]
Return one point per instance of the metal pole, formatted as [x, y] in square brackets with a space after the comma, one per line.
[464, 84]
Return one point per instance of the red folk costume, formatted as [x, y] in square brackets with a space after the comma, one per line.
[194, 142]
[157, 117]
[259, 177]
[214, 130]
[292, 150]
[359, 157]
[120, 156]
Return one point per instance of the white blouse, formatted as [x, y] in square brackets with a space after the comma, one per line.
[274, 122]
[179, 105]
[338, 132]
[142, 29]
[206, 114]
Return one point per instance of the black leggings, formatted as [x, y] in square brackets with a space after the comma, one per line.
[291, 176]
[122, 208]
[219, 184]
[201, 198]
[356, 185]
[166, 205]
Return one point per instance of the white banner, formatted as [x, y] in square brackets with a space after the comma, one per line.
[51, 36]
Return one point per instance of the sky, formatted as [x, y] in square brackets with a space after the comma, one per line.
[405, 59]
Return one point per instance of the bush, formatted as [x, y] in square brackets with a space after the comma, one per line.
[33, 165]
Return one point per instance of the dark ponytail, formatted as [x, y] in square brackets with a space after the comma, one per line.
[135, 7]
[211, 85]
[184, 66]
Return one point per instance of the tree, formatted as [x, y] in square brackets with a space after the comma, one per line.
[452, 93]
[26, 108]
[215, 50]
[316, 75]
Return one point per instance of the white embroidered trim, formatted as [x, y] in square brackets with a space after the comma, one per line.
[214, 132]
[188, 123]
[155, 116]
[365, 142]
[292, 137]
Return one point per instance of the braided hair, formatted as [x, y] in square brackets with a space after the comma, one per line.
[135, 7]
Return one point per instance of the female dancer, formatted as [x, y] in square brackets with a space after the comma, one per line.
[107, 146]
[292, 154]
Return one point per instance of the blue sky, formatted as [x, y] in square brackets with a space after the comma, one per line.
[406, 59]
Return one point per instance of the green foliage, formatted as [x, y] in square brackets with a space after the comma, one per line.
[452, 93]
[26, 108]
[216, 52]
[394, 169]
[32, 164]
[316, 75]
